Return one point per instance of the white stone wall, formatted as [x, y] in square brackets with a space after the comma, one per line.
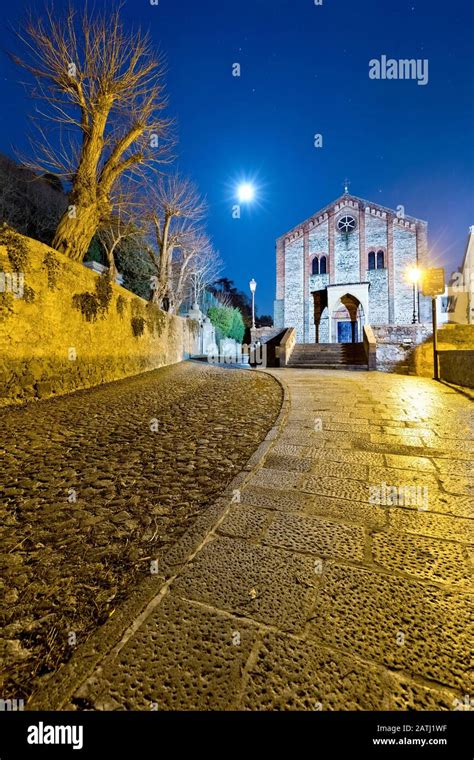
[404, 257]
[346, 250]
[375, 236]
[319, 239]
[294, 286]
[378, 296]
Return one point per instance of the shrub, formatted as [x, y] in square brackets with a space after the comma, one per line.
[238, 328]
[228, 322]
[138, 326]
[221, 318]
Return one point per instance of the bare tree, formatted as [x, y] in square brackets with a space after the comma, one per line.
[176, 206]
[195, 265]
[104, 91]
[125, 223]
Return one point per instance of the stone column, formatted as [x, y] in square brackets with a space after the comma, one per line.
[306, 318]
[390, 270]
[362, 245]
[332, 265]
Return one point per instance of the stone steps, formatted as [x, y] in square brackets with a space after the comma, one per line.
[349, 356]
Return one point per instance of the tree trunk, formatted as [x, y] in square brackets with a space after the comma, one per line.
[74, 233]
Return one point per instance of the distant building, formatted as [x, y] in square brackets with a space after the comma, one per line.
[346, 266]
[461, 288]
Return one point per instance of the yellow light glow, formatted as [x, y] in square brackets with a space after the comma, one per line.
[414, 274]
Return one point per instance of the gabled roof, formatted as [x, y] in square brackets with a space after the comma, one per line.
[345, 198]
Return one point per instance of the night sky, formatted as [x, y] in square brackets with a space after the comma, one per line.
[304, 70]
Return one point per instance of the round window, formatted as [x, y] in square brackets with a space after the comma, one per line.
[346, 224]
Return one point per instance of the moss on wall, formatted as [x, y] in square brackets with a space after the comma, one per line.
[74, 329]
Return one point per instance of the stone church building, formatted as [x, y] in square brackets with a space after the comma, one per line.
[346, 266]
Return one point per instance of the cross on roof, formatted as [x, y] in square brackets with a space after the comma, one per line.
[346, 186]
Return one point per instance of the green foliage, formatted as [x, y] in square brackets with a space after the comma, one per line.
[28, 294]
[87, 304]
[96, 252]
[221, 318]
[136, 267]
[53, 267]
[93, 304]
[237, 328]
[138, 326]
[120, 305]
[17, 248]
[155, 318]
[228, 322]
[236, 298]
[103, 289]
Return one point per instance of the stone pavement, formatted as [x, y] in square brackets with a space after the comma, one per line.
[333, 575]
[97, 483]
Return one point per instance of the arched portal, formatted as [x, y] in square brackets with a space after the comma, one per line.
[348, 319]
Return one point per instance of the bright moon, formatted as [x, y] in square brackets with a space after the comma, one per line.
[246, 192]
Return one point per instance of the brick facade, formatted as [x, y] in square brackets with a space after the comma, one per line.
[346, 232]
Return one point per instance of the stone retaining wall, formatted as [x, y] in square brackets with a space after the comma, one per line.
[396, 346]
[457, 367]
[408, 349]
[67, 328]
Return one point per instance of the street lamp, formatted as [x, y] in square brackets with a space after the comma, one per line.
[414, 275]
[253, 288]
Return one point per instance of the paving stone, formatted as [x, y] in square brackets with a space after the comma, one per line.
[182, 658]
[313, 535]
[341, 488]
[245, 522]
[271, 478]
[368, 613]
[421, 557]
[429, 524]
[342, 510]
[269, 585]
[288, 463]
[397, 477]
[389, 439]
[458, 485]
[409, 695]
[300, 675]
[453, 467]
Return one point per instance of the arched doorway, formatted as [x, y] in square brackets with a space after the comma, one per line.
[348, 320]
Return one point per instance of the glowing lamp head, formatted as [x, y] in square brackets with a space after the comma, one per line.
[253, 286]
[414, 274]
[246, 192]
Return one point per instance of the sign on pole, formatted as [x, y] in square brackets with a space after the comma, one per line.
[433, 282]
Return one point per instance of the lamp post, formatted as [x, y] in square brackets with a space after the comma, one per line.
[414, 275]
[253, 288]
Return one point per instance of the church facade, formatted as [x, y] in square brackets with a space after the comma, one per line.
[346, 266]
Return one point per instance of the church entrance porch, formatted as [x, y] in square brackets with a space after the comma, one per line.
[348, 320]
[348, 312]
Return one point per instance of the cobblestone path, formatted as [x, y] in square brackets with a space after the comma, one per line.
[97, 483]
[334, 574]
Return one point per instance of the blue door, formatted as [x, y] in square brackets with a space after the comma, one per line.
[344, 332]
